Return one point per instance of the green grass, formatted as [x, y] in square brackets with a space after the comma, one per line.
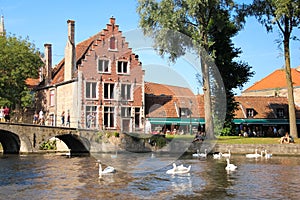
[235, 139]
[249, 140]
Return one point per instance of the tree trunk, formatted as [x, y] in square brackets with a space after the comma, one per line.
[292, 112]
[209, 126]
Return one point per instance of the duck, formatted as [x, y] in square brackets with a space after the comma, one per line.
[200, 155]
[267, 155]
[107, 170]
[217, 155]
[179, 169]
[226, 155]
[229, 166]
[254, 155]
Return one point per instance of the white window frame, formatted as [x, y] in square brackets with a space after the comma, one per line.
[126, 112]
[92, 83]
[122, 67]
[103, 67]
[111, 94]
[52, 97]
[92, 109]
[110, 112]
[124, 92]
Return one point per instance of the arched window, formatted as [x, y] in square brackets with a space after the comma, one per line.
[112, 43]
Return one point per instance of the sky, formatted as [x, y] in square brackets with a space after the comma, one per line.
[46, 22]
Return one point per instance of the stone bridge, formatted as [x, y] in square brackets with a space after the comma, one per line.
[27, 138]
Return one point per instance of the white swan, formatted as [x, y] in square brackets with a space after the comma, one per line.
[226, 155]
[107, 170]
[267, 155]
[217, 155]
[179, 169]
[200, 155]
[254, 155]
[229, 166]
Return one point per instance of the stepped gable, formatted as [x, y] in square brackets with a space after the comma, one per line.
[276, 80]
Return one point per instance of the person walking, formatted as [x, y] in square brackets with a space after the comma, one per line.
[68, 119]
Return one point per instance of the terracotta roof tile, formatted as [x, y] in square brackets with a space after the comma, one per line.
[81, 49]
[32, 82]
[265, 107]
[166, 100]
[275, 80]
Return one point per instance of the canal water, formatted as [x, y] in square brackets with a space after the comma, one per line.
[52, 176]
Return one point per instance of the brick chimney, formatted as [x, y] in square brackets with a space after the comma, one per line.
[48, 63]
[112, 20]
[70, 54]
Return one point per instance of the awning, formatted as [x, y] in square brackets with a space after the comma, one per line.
[263, 121]
[176, 121]
[197, 121]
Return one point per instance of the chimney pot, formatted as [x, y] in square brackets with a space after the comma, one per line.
[112, 20]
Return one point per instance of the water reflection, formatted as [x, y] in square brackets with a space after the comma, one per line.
[59, 177]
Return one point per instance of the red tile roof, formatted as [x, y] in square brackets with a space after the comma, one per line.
[81, 49]
[166, 100]
[275, 80]
[265, 107]
[32, 82]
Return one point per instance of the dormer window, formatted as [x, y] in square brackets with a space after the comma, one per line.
[185, 112]
[104, 65]
[122, 67]
[112, 43]
[280, 112]
[250, 112]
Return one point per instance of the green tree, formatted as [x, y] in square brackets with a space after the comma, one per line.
[234, 74]
[19, 60]
[191, 18]
[285, 16]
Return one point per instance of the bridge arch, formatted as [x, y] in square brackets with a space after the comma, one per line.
[11, 142]
[75, 143]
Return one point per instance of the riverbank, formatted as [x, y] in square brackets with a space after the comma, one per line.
[275, 149]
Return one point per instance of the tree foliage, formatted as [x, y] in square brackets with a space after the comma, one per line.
[285, 16]
[234, 73]
[19, 60]
[203, 22]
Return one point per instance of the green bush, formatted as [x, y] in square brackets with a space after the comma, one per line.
[49, 145]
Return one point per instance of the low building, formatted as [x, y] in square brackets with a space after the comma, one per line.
[172, 109]
[262, 115]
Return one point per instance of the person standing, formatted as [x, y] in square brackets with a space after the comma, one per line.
[41, 117]
[1, 114]
[6, 114]
[35, 118]
[62, 116]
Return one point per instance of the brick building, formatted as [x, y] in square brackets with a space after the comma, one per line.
[100, 83]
